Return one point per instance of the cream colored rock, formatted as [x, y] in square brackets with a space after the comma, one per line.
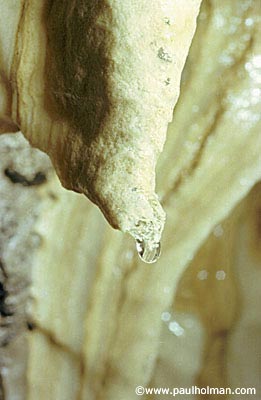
[98, 312]
[94, 86]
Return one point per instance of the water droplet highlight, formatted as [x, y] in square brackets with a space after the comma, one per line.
[148, 254]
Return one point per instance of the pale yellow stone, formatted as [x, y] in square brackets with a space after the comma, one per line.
[210, 163]
[60, 377]
[94, 86]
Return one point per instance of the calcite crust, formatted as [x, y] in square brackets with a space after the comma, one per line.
[94, 86]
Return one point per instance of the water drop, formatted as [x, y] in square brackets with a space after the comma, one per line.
[148, 254]
[249, 22]
[218, 231]
[165, 316]
[220, 275]
[202, 275]
[176, 328]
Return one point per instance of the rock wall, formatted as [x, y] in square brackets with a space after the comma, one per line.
[81, 316]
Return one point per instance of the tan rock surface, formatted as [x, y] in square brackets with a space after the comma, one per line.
[94, 86]
[99, 314]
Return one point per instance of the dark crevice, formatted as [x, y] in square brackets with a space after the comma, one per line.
[4, 311]
[2, 269]
[2, 394]
[30, 326]
[16, 177]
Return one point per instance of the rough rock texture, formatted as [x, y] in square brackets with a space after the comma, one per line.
[103, 322]
[23, 170]
[94, 86]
